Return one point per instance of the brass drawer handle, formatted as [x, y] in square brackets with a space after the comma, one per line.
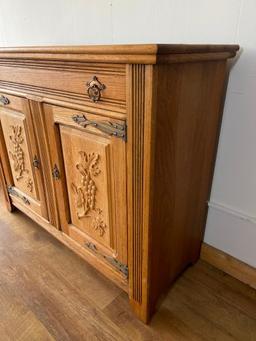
[107, 127]
[94, 88]
[4, 100]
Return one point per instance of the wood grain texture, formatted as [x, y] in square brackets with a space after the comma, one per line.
[188, 112]
[5, 172]
[21, 148]
[4, 186]
[44, 155]
[135, 181]
[71, 84]
[66, 141]
[150, 190]
[232, 266]
[68, 300]
[120, 49]
[134, 54]
[93, 259]
[14, 127]
[57, 97]
[139, 152]
[86, 160]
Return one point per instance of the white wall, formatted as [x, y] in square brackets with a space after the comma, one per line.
[231, 224]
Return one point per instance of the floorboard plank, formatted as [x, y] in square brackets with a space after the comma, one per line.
[243, 300]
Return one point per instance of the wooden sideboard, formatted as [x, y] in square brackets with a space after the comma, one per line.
[111, 149]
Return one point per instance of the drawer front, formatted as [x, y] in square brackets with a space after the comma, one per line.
[95, 85]
[19, 145]
[91, 168]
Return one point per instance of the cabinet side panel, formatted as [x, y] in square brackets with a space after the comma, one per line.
[189, 106]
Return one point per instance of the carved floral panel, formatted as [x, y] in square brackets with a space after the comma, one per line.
[17, 156]
[16, 144]
[88, 175]
[85, 191]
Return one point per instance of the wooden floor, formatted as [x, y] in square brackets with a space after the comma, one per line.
[49, 293]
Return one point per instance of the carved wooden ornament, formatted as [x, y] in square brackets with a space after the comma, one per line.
[85, 193]
[17, 154]
[18, 157]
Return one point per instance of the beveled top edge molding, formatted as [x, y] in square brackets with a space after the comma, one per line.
[134, 54]
[85, 49]
[196, 48]
[130, 49]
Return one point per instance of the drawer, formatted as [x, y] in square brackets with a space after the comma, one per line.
[96, 85]
[12, 102]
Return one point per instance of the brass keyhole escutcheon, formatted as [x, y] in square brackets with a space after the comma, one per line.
[4, 100]
[94, 89]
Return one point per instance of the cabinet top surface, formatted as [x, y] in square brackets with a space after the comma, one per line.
[138, 53]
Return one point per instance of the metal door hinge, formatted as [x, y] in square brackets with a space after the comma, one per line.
[107, 127]
[12, 191]
[113, 261]
[120, 266]
[55, 172]
[36, 162]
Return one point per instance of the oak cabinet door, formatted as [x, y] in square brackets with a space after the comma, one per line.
[91, 166]
[18, 142]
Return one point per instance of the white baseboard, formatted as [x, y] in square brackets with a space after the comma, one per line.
[232, 211]
[232, 231]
